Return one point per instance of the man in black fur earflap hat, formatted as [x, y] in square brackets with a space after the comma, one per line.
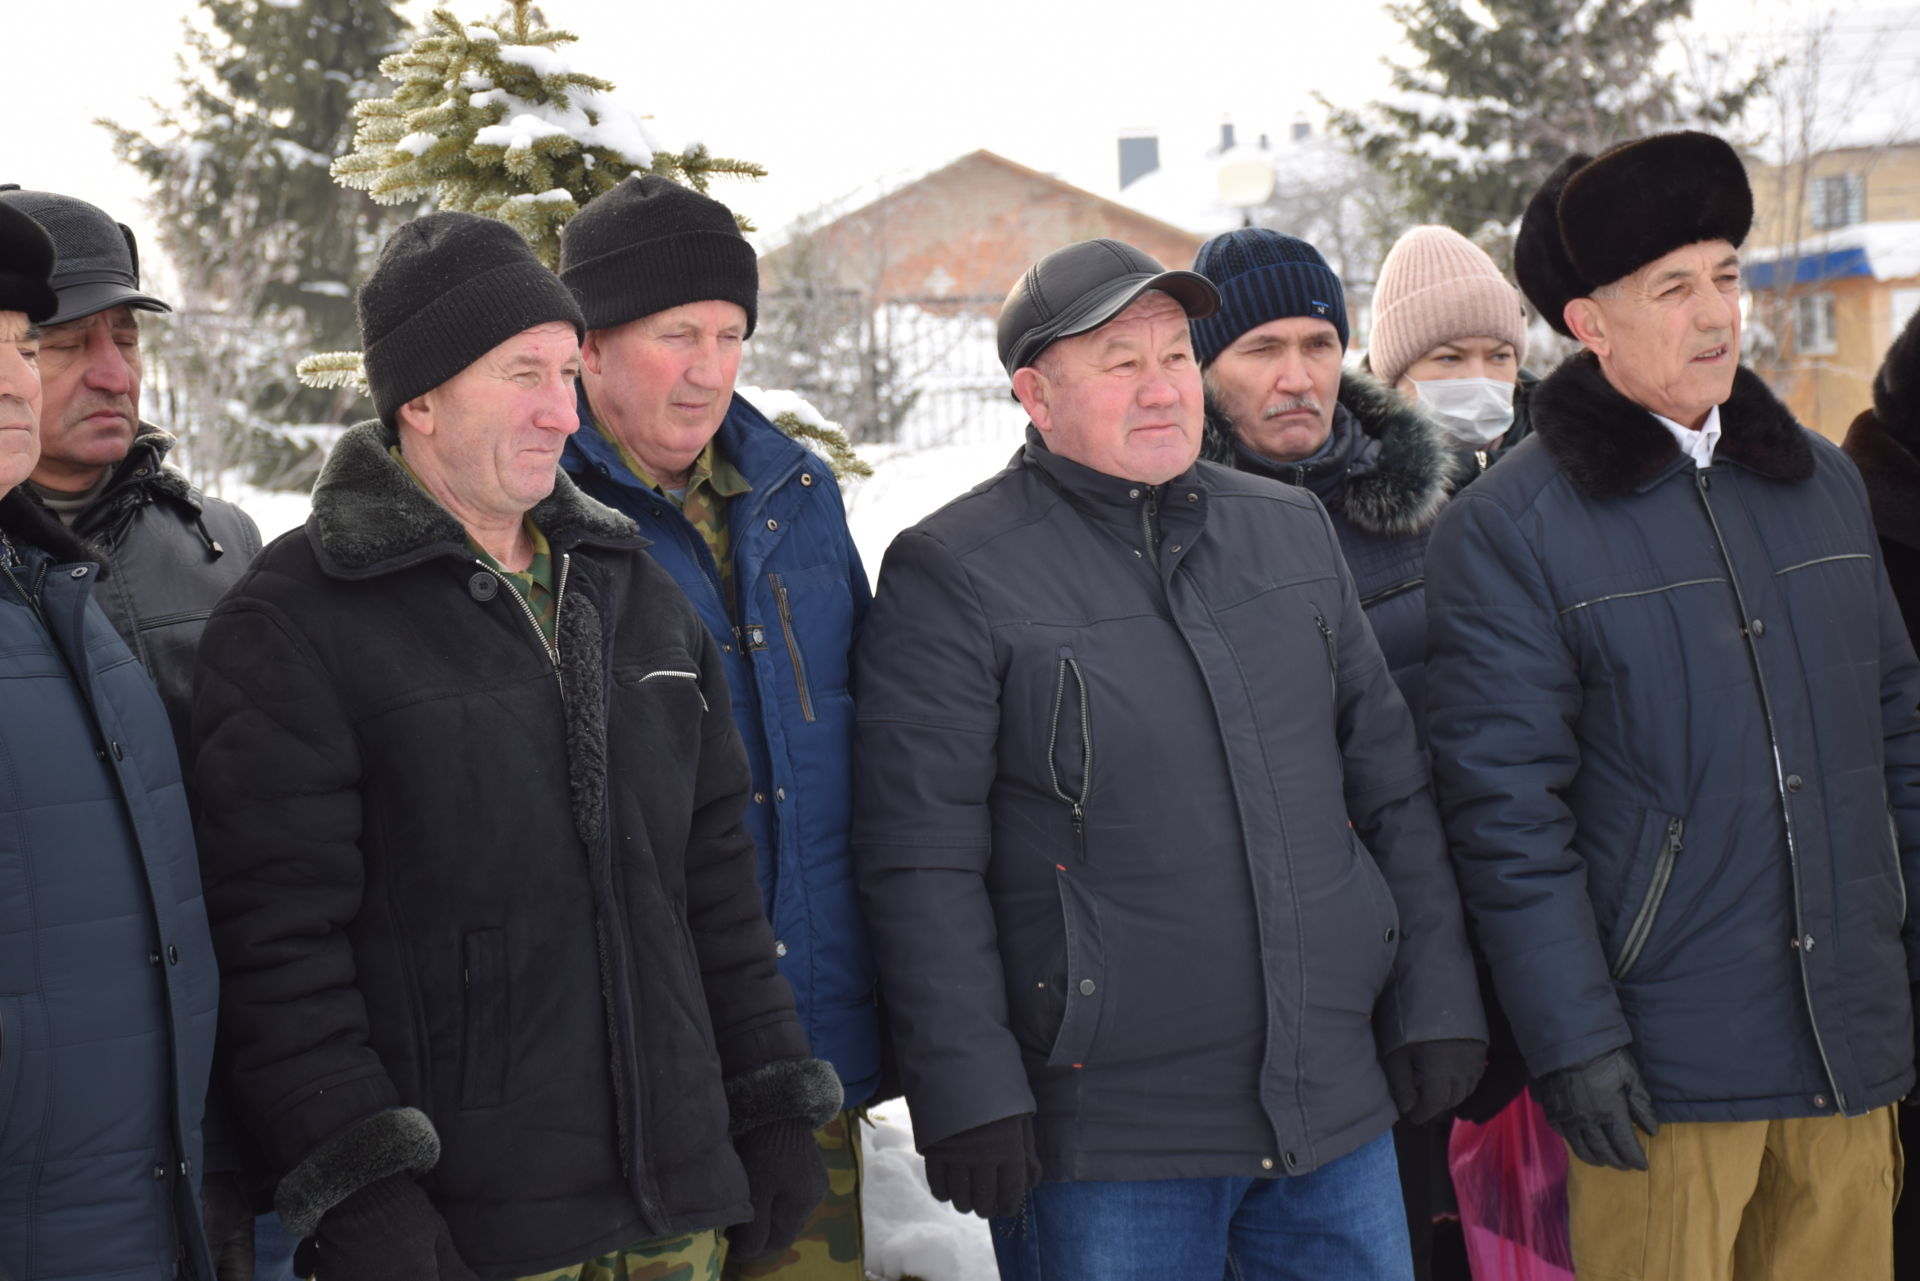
[1673, 716]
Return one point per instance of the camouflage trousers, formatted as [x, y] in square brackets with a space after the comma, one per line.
[830, 1247]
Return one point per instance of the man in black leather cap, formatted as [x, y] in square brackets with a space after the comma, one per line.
[1156, 884]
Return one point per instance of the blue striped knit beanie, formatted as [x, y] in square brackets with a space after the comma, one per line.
[1264, 275]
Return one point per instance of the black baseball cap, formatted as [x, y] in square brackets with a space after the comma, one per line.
[26, 260]
[99, 264]
[1081, 288]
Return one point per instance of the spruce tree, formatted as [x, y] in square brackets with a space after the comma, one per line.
[1504, 90]
[265, 245]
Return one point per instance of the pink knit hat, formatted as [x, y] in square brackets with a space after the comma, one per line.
[1436, 286]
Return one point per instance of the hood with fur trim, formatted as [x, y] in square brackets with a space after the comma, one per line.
[370, 517]
[1608, 445]
[1393, 479]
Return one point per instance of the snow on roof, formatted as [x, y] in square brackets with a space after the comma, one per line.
[1883, 250]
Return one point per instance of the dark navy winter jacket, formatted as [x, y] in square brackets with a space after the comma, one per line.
[1145, 839]
[1675, 721]
[108, 986]
[1383, 477]
[801, 596]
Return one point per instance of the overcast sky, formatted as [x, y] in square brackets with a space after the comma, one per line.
[837, 98]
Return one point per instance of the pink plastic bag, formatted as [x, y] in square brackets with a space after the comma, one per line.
[1511, 1178]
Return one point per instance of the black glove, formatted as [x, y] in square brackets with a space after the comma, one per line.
[987, 1170]
[1594, 1107]
[226, 1212]
[1431, 1078]
[786, 1177]
[387, 1231]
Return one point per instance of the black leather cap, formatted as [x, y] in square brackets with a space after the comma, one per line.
[1081, 288]
[26, 260]
[98, 267]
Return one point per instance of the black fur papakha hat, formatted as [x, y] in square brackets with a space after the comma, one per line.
[1595, 220]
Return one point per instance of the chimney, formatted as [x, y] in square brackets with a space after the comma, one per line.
[1302, 131]
[1139, 156]
[1226, 135]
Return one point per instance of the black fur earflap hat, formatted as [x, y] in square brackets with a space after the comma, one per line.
[448, 289]
[1596, 220]
[1896, 388]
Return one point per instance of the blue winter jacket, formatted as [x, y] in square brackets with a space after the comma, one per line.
[1675, 721]
[108, 987]
[801, 596]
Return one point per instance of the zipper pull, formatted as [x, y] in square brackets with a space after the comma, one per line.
[1079, 834]
[1674, 829]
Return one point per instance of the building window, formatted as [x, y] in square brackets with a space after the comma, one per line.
[1813, 324]
[1839, 201]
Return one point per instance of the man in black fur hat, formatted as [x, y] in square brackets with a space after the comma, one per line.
[1676, 727]
[1884, 443]
[499, 994]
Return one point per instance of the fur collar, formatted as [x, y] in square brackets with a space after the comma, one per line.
[1393, 482]
[1608, 446]
[1892, 473]
[30, 525]
[369, 517]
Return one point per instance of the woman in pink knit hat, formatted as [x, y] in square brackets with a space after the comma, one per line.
[1450, 333]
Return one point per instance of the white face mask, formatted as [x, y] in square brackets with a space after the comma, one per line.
[1474, 411]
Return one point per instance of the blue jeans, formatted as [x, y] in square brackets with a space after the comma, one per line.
[273, 1249]
[1344, 1220]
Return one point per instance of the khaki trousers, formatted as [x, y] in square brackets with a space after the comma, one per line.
[1809, 1199]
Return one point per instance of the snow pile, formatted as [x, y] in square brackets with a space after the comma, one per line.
[908, 1232]
[775, 403]
[909, 485]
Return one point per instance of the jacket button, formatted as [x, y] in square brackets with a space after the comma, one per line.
[779, 793]
[1133, 493]
[1389, 934]
[173, 955]
[159, 1171]
[772, 523]
[1176, 547]
[806, 478]
[1293, 1162]
[1819, 1100]
[759, 798]
[1193, 498]
[1794, 783]
[80, 571]
[1757, 627]
[779, 948]
[483, 586]
[153, 958]
[119, 752]
[1266, 1163]
[1806, 944]
[1086, 987]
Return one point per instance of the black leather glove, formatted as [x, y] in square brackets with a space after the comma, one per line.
[1594, 1107]
[786, 1177]
[387, 1231]
[987, 1170]
[226, 1212]
[1428, 1079]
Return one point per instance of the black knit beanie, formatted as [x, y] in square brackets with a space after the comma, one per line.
[448, 289]
[1264, 275]
[651, 244]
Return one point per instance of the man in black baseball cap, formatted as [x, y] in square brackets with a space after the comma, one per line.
[1143, 832]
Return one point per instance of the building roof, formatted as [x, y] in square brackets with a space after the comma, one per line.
[1882, 250]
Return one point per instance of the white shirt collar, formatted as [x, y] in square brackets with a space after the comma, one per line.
[1697, 445]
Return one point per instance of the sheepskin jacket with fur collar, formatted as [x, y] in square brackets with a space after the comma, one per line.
[487, 916]
[1384, 478]
[1884, 442]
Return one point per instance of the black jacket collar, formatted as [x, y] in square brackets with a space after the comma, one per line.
[370, 517]
[1608, 446]
[30, 526]
[1389, 471]
[1891, 471]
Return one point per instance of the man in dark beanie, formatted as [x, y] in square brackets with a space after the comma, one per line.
[1676, 728]
[1279, 405]
[499, 998]
[106, 1022]
[750, 525]
[1144, 833]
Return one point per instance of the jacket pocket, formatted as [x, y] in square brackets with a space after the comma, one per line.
[1086, 977]
[784, 604]
[483, 1049]
[675, 676]
[1670, 830]
[1070, 730]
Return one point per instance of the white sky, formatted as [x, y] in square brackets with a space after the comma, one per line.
[836, 99]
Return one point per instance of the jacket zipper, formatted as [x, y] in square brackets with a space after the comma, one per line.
[533, 620]
[1388, 593]
[793, 646]
[32, 599]
[1701, 487]
[1079, 806]
[1148, 510]
[1650, 904]
[1333, 657]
